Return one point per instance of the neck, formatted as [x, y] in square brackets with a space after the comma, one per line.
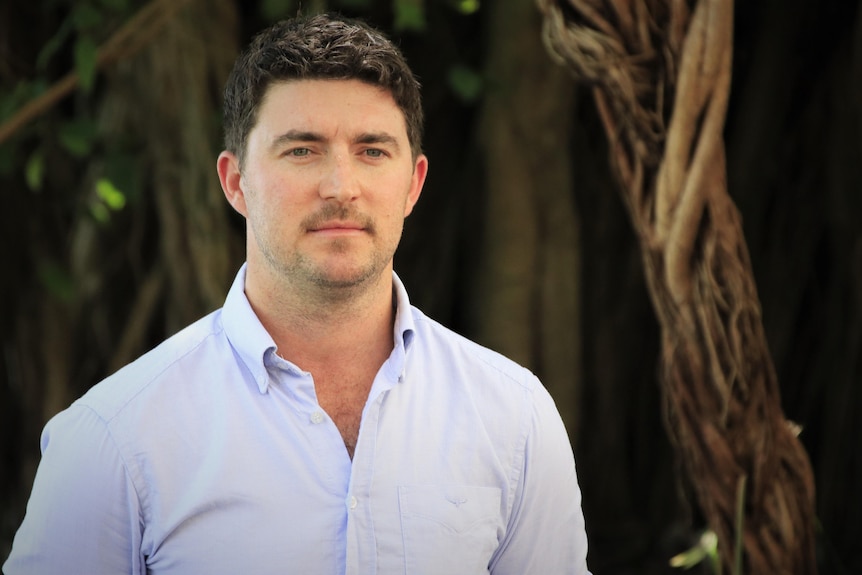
[326, 327]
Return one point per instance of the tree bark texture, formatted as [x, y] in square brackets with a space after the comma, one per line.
[661, 75]
[527, 298]
[175, 86]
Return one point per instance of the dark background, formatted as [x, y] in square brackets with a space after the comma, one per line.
[525, 246]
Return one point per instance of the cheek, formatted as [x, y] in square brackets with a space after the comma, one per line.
[273, 196]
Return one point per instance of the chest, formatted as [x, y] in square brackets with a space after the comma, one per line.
[343, 397]
[259, 484]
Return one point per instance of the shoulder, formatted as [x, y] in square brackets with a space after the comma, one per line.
[441, 344]
[162, 364]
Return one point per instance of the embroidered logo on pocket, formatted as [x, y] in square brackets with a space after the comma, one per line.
[449, 529]
[456, 500]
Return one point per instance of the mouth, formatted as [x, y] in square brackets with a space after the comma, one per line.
[338, 221]
[336, 227]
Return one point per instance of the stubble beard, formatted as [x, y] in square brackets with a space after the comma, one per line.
[319, 281]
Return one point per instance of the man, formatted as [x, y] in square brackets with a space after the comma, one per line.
[317, 423]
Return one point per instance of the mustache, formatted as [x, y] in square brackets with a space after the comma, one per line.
[335, 212]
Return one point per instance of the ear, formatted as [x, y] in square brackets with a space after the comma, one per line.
[231, 181]
[420, 171]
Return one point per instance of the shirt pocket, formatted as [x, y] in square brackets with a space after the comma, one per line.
[448, 529]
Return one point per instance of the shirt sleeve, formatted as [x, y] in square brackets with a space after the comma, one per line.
[83, 515]
[546, 532]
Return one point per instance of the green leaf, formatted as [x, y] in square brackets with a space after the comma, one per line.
[100, 213]
[123, 170]
[274, 10]
[12, 101]
[57, 280]
[53, 45]
[467, 7]
[86, 17]
[34, 171]
[409, 15]
[7, 159]
[78, 136]
[40, 86]
[466, 83]
[113, 198]
[109, 199]
[688, 559]
[85, 62]
[705, 548]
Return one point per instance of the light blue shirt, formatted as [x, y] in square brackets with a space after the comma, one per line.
[211, 455]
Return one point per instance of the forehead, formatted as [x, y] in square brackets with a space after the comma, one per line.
[322, 104]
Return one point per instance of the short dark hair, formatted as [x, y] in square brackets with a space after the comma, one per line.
[325, 46]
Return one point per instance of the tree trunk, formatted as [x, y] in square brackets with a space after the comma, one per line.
[528, 299]
[662, 79]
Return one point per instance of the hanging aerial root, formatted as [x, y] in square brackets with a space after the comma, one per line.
[661, 78]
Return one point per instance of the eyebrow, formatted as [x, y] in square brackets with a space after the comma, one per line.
[378, 138]
[293, 136]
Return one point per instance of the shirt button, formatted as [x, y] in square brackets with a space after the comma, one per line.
[351, 503]
[317, 417]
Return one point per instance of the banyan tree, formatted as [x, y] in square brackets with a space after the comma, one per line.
[660, 75]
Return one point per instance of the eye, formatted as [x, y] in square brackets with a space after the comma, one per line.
[299, 152]
[374, 153]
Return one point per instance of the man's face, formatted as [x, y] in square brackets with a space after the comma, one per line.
[328, 179]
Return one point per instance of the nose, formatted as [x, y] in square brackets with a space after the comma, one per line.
[340, 182]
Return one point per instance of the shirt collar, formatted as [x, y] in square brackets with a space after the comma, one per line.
[246, 334]
[404, 329]
[255, 346]
[404, 326]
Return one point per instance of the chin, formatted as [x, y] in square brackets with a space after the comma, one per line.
[344, 280]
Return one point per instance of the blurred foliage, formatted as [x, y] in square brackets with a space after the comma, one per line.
[82, 26]
[465, 83]
[68, 134]
[706, 550]
[61, 173]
